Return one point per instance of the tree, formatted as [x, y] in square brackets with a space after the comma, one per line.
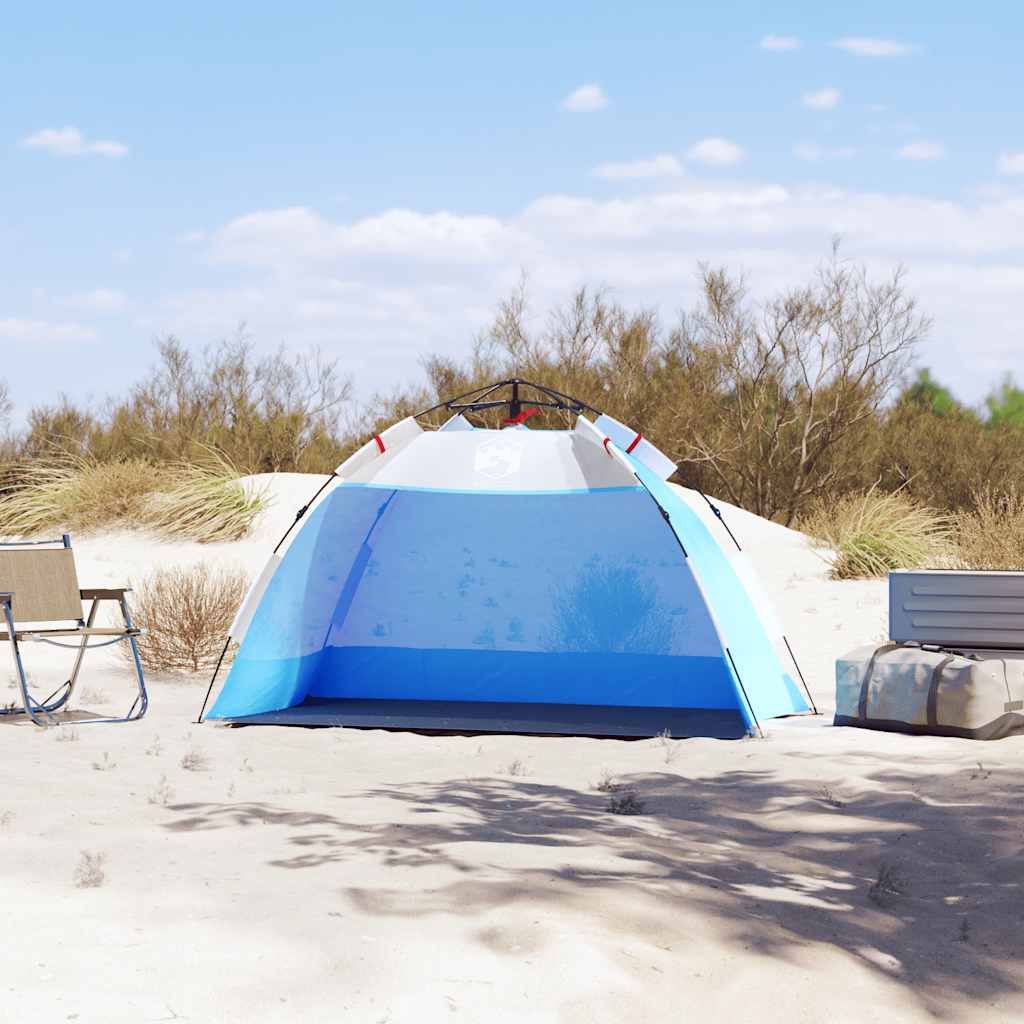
[787, 385]
[928, 394]
[1006, 405]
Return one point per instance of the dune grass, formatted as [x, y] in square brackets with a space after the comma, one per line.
[204, 502]
[197, 501]
[871, 533]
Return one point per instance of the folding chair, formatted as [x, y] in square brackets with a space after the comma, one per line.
[39, 585]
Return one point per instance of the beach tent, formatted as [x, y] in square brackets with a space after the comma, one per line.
[512, 579]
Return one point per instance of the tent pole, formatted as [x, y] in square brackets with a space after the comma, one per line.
[799, 672]
[213, 679]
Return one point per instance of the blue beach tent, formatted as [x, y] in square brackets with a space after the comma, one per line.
[521, 580]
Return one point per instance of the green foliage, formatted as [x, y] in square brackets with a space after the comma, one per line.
[927, 395]
[1006, 405]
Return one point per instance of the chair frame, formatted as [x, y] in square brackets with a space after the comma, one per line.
[42, 712]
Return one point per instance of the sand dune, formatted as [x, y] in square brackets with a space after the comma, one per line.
[821, 874]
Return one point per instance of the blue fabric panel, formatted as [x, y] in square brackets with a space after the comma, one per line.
[571, 597]
[772, 691]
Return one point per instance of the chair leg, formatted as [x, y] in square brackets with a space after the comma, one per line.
[36, 711]
[142, 701]
[70, 684]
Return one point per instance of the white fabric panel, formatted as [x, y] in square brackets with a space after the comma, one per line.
[645, 452]
[742, 566]
[394, 438]
[495, 460]
[243, 617]
[458, 422]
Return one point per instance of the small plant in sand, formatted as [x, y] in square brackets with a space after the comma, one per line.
[186, 614]
[89, 873]
[626, 801]
[66, 734]
[245, 766]
[195, 761]
[606, 783]
[889, 883]
[981, 772]
[105, 764]
[6, 819]
[830, 797]
[515, 767]
[155, 748]
[163, 794]
[92, 696]
[668, 746]
[872, 533]
[964, 931]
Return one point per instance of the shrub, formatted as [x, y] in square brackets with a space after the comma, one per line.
[186, 613]
[991, 535]
[872, 533]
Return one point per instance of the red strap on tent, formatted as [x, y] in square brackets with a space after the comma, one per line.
[522, 417]
[608, 441]
[380, 443]
[636, 440]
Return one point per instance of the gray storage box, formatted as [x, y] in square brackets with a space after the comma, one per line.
[911, 689]
[974, 610]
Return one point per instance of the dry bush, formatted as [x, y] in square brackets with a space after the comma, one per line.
[203, 502]
[872, 533]
[269, 413]
[186, 613]
[944, 460]
[991, 534]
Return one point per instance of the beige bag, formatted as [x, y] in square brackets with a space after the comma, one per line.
[908, 688]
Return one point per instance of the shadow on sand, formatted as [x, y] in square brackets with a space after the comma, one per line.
[917, 877]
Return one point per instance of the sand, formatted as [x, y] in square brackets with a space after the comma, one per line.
[270, 874]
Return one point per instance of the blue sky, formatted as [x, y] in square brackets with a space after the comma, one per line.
[370, 179]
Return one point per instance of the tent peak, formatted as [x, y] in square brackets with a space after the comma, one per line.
[488, 397]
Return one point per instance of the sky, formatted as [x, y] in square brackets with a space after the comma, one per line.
[370, 179]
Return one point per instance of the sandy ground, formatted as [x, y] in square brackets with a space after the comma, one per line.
[268, 874]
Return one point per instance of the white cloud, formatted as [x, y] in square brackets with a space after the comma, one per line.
[779, 43]
[822, 99]
[864, 46]
[813, 153]
[70, 142]
[99, 300]
[586, 99]
[190, 237]
[380, 292]
[663, 166]
[42, 332]
[716, 152]
[1011, 163]
[922, 150]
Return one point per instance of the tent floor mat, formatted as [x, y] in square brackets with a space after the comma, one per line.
[504, 717]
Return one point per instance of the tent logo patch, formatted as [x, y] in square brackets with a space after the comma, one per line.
[498, 458]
